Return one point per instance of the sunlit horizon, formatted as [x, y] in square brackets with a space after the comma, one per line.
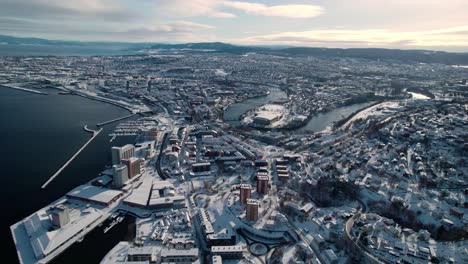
[431, 25]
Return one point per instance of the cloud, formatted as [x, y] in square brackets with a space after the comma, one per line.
[173, 31]
[445, 37]
[289, 10]
[216, 8]
[170, 27]
[93, 20]
[369, 23]
[192, 8]
[69, 9]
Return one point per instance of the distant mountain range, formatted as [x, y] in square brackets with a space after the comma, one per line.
[39, 41]
[423, 56]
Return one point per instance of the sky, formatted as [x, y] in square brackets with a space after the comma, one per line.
[404, 24]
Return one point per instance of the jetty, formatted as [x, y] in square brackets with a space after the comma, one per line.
[115, 120]
[22, 89]
[95, 134]
[85, 128]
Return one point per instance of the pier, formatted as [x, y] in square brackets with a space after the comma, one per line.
[114, 120]
[23, 89]
[95, 134]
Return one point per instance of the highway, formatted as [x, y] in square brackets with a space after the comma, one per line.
[158, 160]
[349, 225]
[306, 241]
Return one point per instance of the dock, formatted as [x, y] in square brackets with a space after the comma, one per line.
[23, 89]
[114, 120]
[114, 223]
[95, 134]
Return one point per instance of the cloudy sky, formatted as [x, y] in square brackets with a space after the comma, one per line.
[407, 24]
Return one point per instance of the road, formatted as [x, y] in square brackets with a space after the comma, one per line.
[158, 160]
[305, 240]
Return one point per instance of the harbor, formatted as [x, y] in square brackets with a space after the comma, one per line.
[115, 218]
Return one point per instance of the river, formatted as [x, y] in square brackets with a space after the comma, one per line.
[233, 113]
[321, 121]
[318, 122]
[39, 133]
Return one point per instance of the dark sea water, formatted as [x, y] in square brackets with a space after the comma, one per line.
[38, 133]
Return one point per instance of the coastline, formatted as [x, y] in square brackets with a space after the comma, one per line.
[73, 92]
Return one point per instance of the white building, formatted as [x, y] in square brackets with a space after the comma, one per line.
[179, 256]
[120, 153]
[120, 175]
[60, 215]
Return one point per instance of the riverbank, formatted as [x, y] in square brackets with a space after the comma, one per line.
[314, 122]
[242, 101]
[235, 111]
[420, 93]
[344, 120]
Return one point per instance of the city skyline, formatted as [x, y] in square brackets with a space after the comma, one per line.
[431, 25]
[234, 131]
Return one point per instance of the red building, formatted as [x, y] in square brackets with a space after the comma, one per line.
[456, 213]
[245, 191]
[133, 166]
[252, 210]
[262, 184]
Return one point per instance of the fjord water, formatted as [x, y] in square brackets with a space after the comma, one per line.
[38, 134]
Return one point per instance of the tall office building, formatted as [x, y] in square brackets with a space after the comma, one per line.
[120, 153]
[120, 175]
[262, 184]
[251, 212]
[133, 166]
[60, 215]
[245, 191]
